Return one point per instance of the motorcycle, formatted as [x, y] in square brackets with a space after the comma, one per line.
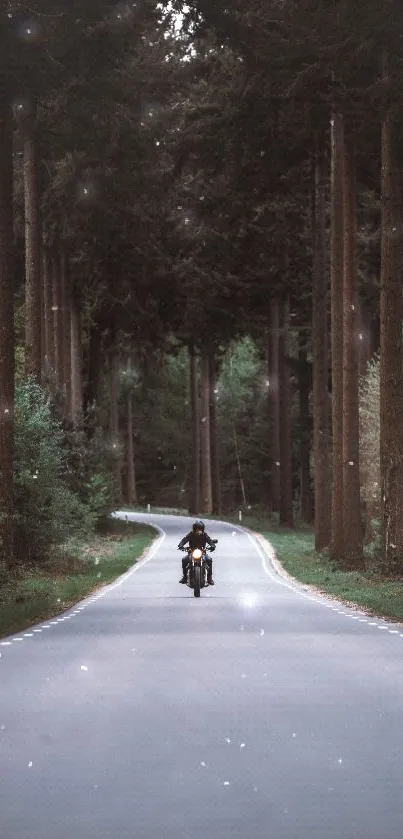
[197, 571]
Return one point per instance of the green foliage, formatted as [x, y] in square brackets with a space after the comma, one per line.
[162, 429]
[89, 463]
[47, 511]
[242, 403]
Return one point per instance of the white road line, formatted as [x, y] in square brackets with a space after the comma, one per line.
[266, 569]
[284, 583]
[122, 580]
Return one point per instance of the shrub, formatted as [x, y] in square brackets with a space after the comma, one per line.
[47, 511]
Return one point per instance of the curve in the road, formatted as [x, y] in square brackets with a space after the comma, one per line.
[249, 713]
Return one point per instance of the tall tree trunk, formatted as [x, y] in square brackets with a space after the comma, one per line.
[353, 532]
[274, 407]
[48, 303]
[391, 373]
[95, 362]
[44, 362]
[114, 421]
[205, 442]
[76, 362]
[194, 486]
[286, 497]
[305, 432]
[337, 542]
[131, 469]
[58, 331]
[66, 330]
[6, 329]
[215, 461]
[33, 276]
[320, 348]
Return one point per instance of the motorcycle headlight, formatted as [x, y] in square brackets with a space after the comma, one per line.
[197, 554]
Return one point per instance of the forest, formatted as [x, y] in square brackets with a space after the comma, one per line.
[201, 267]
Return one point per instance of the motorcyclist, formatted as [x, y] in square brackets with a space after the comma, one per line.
[197, 538]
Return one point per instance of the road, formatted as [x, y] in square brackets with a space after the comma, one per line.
[260, 711]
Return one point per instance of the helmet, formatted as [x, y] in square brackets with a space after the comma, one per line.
[198, 525]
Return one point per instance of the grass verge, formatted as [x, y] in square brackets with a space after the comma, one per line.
[36, 594]
[295, 550]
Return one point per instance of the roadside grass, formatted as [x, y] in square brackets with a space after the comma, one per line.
[295, 551]
[70, 575]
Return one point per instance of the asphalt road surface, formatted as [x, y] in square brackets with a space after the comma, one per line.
[260, 711]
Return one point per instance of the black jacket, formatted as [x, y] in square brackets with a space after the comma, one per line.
[196, 541]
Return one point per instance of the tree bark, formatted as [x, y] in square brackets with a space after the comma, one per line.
[6, 329]
[353, 532]
[76, 363]
[205, 442]
[274, 407]
[58, 331]
[337, 541]
[95, 366]
[320, 348]
[33, 277]
[286, 495]
[114, 422]
[49, 327]
[131, 468]
[194, 497]
[66, 330]
[44, 363]
[305, 432]
[391, 371]
[215, 462]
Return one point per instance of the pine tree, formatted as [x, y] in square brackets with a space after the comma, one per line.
[391, 371]
[6, 323]
[321, 425]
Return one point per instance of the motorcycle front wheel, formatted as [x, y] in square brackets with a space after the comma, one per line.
[197, 581]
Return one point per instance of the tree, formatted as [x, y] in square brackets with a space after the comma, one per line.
[286, 494]
[76, 361]
[205, 438]
[321, 429]
[304, 387]
[337, 543]
[353, 535]
[215, 455]
[33, 277]
[6, 323]
[391, 370]
[194, 476]
[274, 405]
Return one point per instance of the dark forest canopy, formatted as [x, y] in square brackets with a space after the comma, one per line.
[200, 218]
